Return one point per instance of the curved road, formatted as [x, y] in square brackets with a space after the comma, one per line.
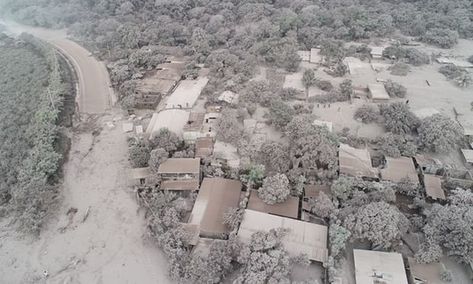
[95, 95]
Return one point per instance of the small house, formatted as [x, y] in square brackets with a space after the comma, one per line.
[377, 93]
[377, 52]
[433, 187]
[400, 170]
[140, 175]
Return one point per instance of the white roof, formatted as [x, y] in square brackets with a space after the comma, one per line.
[229, 97]
[456, 62]
[386, 267]
[315, 56]
[377, 50]
[304, 55]
[378, 92]
[186, 93]
[323, 123]
[303, 237]
[468, 154]
[425, 112]
[172, 119]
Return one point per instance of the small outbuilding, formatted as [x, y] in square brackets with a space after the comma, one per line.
[356, 162]
[399, 170]
[139, 175]
[204, 147]
[377, 52]
[229, 97]
[379, 267]
[288, 208]
[378, 93]
[303, 238]
[433, 187]
[216, 196]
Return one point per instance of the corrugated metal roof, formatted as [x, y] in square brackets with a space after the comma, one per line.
[191, 184]
[303, 237]
[433, 187]
[288, 208]
[140, 173]
[378, 92]
[216, 195]
[180, 166]
[356, 162]
[398, 169]
[313, 190]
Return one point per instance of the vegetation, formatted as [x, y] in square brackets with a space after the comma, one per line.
[367, 114]
[459, 75]
[275, 189]
[395, 90]
[32, 99]
[398, 118]
[439, 133]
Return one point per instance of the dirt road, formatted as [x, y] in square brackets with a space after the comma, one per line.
[97, 234]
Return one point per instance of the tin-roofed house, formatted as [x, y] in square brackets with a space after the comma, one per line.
[288, 208]
[356, 162]
[400, 169]
[377, 93]
[180, 169]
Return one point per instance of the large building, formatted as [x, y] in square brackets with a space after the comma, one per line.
[303, 237]
[216, 196]
[375, 267]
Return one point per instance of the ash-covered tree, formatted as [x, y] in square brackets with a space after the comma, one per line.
[394, 145]
[308, 80]
[444, 38]
[280, 113]
[343, 187]
[398, 118]
[232, 217]
[439, 133]
[322, 206]
[395, 90]
[228, 128]
[157, 157]
[450, 225]
[257, 92]
[265, 260]
[274, 156]
[338, 236]
[346, 89]
[167, 140]
[459, 75]
[139, 152]
[367, 114]
[379, 222]
[275, 189]
[313, 149]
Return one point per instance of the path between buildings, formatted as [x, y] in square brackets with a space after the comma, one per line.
[97, 234]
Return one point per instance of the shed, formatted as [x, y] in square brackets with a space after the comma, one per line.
[303, 237]
[140, 174]
[172, 119]
[356, 162]
[400, 169]
[378, 93]
[304, 55]
[288, 208]
[229, 97]
[425, 273]
[216, 196]
[204, 147]
[180, 185]
[377, 52]
[323, 123]
[315, 56]
[186, 93]
[468, 155]
[373, 267]
[433, 187]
